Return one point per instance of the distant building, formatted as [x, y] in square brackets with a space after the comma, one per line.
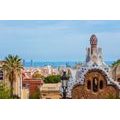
[30, 84]
[44, 71]
[93, 79]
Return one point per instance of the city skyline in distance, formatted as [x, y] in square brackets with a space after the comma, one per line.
[58, 40]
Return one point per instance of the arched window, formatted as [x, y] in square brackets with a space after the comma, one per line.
[89, 84]
[101, 84]
[1, 75]
[95, 84]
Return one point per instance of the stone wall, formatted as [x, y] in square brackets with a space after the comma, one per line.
[51, 95]
[81, 92]
[50, 91]
[95, 87]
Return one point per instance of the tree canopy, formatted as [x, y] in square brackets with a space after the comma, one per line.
[37, 75]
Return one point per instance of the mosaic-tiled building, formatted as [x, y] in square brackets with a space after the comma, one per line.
[93, 80]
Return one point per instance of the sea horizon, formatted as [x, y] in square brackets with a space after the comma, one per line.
[33, 63]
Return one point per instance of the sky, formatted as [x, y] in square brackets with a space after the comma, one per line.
[58, 40]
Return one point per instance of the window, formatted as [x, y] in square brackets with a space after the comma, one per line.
[95, 84]
[89, 84]
[95, 80]
[101, 84]
[1, 75]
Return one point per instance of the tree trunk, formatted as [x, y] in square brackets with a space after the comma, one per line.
[11, 89]
[11, 84]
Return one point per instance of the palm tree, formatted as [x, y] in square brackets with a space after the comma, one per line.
[12, 67]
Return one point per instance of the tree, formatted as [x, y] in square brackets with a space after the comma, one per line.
[52, 79]
[12, 67]
[37, 75]
[4, 92]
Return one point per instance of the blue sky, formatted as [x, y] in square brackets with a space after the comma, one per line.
[58, 40]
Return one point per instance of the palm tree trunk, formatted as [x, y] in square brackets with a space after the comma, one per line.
[11, 90]
[11, 84]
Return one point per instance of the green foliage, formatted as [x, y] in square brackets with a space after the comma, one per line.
[52, 79]
[116, 63]
[36, 94]
[4, 92]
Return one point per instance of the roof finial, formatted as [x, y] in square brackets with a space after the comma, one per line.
[93, 40]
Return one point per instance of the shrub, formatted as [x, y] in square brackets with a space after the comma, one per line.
[36, 94]
[52, 79]
[4, 92]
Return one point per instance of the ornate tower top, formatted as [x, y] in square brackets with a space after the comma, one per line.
[93, 40]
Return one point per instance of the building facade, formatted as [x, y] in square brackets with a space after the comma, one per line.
[29, 84]
[93, 79]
